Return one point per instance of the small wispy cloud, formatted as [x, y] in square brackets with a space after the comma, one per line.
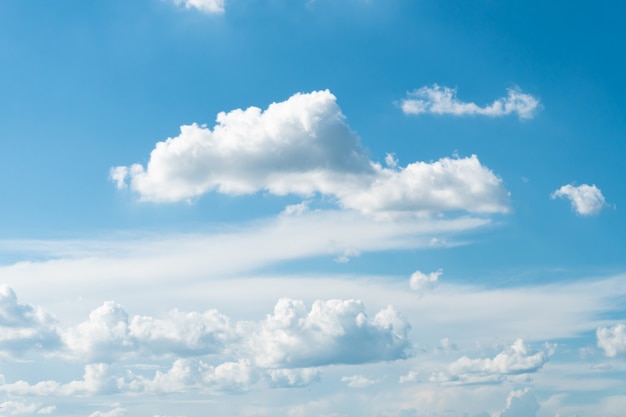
[586, 200]
[443, 100]
[206, 6]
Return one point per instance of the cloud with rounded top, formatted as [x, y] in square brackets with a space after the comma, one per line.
[587, 200]
[303, 146]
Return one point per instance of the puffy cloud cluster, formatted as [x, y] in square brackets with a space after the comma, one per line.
[586, 199]
[206, 6]
[612, 340]
[303, 146]
[23, 327]
[514, 360]
[333, 332]
[109, 334]
[16, 408]
[443, 100]
[284, 349]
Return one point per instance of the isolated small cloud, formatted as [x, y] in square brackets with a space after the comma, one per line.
[586, 200]
[612, 340]
[303, 146]
[421, 282]
[206, 6]
[443, 100]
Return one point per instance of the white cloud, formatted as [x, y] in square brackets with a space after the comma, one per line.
[16, 408]
[612, 340]
[358, 381]
[421, 282]
[109, 334]
[116, 412]
[303, 146]
[47, 410]
[520, 404]
[104, 337]
[207, 6]
[513, 360]
[586, 199]
[182, 333]
[333, 332]
[443, 100]
[23, 327]
[288, 378]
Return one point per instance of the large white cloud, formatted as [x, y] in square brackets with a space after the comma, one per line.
[333, 332]
[207, 6]
[23, 327]
[443, 100]
[586, 199]
[109, 334]
[303, 146]
[612, 339]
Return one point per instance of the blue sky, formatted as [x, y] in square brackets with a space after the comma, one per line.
[312, 208]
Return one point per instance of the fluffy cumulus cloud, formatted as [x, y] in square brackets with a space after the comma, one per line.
[514, 360]
[612, 340]
[23, 327]
[206, 6]
[109, 333]
[303, 146]
[14, 408]
[586, 199]
[421, 282]
[332, 332]
[210, 353]
[443, 100]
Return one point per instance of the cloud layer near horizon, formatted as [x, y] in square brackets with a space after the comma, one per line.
[303, 146]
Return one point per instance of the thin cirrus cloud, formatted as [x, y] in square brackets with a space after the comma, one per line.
[302, 146]
[443, 100]
[586, 200]
[206, 6]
